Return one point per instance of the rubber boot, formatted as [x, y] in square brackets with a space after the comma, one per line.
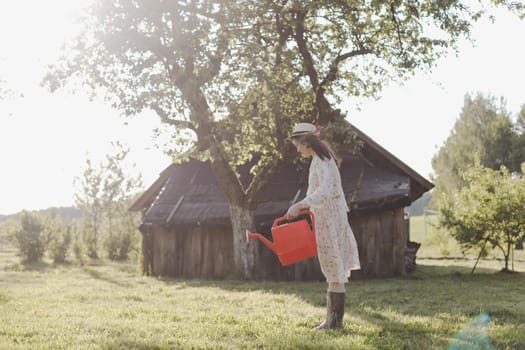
[335, 310]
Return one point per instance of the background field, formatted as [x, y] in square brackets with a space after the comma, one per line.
[439, 248]
[103, 305]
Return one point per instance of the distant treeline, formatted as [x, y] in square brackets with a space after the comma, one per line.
[66, 214]
[418, 207]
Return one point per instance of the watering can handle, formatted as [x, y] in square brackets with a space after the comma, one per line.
[281, 219]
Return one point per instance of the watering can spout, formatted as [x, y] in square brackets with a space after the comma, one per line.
[250, 235]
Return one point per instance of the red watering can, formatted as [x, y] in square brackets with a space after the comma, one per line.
[292, 241]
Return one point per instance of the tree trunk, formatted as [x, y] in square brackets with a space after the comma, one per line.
[241, 217]
[244, 254]
[507, 256]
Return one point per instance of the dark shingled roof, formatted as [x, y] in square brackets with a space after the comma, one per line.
[189, 193]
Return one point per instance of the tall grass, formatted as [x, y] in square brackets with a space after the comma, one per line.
[111, 306]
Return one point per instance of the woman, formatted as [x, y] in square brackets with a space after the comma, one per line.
[336, 245]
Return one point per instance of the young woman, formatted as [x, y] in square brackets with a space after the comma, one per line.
[336, 245]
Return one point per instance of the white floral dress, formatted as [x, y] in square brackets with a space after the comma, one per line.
[336, 244]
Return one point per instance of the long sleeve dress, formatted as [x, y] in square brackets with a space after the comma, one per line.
[336, 244]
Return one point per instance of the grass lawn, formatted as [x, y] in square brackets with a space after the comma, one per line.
[111, 306]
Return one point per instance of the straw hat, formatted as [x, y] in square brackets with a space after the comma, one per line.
[303, 129]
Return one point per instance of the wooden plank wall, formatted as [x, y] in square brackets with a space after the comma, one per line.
[268, 267]
[208, 253]
[193, 253]
[381, 239]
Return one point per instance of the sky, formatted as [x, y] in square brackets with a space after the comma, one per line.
[46, 137]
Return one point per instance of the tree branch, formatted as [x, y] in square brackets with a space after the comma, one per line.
[215, 59]
[308, 62]
[203, 126]
[164, 117]
[334, 67]
[396, 23]
[479, 256]
[283, 30]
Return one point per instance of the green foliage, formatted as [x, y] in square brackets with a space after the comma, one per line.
[483, 133]
[518, 148]
[119, 246]
[418, 207]
[8, 226]
[90, 241]
[78, 250]
[125, 238]
[30, 238]
[105, 193]
[88, 198]
[59, 246]
[232, 77]
[37, 232]
[520, 120]
[489, 209]
[515, 6]
[119, 188]
[58, 238]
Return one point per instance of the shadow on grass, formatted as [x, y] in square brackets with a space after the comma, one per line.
[94, 268]
[314, 292]
[40, 266]
[416, 311]
[105, 277]
[432, 271]
[11, 261]
[130, 344]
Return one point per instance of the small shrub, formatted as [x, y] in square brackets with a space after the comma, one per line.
[443, 249]
[112, 247]
[89, 240]
[29, 239]
[59, 245]
[58, 238]
[119, 246]
[78, 252]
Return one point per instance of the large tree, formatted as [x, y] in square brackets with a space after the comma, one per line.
[238, 74]
[484, 133]
[518, 149]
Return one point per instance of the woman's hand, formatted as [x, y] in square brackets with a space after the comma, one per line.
[294, 210]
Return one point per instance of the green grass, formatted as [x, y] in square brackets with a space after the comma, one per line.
[111, 306]
[437, 245]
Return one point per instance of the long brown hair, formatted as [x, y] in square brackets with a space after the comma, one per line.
[320, 147]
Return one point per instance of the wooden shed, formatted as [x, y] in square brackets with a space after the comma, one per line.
[187, 230]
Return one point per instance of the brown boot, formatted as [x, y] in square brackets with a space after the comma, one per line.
[335, 310]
